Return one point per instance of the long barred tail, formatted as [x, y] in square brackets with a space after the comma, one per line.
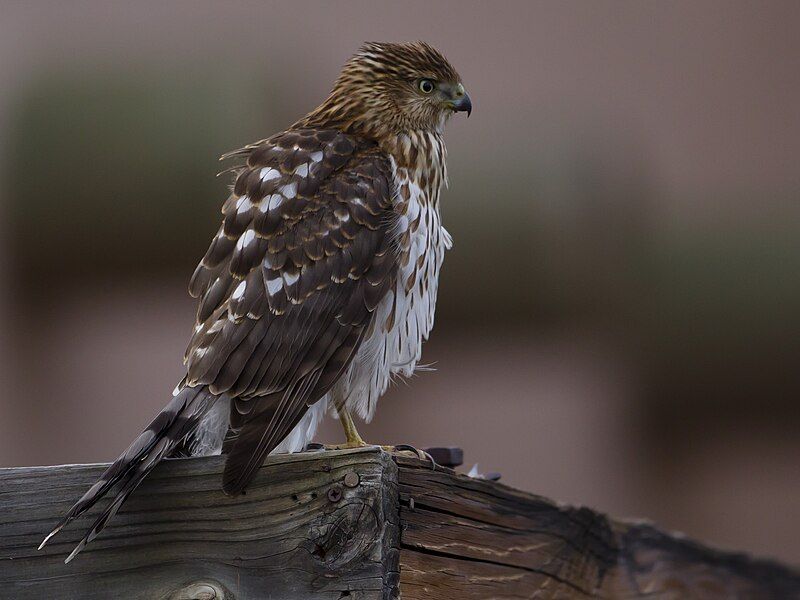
[159, 439]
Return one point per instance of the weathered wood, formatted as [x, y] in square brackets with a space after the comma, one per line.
[349, 524]
[284, 539]
[471, 538]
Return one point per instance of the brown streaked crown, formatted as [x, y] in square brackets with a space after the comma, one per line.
[377, 92]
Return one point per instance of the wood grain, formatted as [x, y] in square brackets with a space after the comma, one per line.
[356, 525]
[475, 539]
[284, 539]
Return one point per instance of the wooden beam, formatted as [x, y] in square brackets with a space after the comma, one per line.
[470, 538]
[299, 532]
[357, 524]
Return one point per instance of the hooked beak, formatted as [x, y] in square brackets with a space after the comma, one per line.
[463, 104]
[461, 101]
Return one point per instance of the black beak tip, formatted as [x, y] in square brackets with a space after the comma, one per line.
[464, 104]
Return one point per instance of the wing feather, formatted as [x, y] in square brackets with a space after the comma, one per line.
[290, 283]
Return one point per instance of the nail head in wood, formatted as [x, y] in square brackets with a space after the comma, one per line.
[352, 479]
[335, 493]
[364, 547]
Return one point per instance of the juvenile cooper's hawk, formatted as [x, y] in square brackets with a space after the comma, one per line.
[321, 282]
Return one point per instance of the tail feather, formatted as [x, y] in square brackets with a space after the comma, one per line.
[164, 433]
[263, 431]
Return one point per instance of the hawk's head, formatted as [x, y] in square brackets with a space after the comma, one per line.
[391, 88]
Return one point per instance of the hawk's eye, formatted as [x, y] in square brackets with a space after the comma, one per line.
[426, 86]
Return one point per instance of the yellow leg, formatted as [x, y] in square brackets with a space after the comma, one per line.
[354, 440]
[351, 433]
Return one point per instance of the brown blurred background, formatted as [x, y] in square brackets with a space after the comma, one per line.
[618, 321]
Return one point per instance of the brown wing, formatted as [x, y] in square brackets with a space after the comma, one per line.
[289, 284]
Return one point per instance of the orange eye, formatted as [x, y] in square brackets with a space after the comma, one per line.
[426, 86]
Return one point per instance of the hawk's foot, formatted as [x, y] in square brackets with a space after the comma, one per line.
[352, 438]
[347, 445]
[317, 447]
[398, 449]
[409, 449]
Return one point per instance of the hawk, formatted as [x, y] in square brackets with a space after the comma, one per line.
[320, 284]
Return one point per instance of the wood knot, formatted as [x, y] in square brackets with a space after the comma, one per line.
[347, 532]
[202, 590]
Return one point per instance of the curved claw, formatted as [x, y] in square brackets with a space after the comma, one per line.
[420, 453]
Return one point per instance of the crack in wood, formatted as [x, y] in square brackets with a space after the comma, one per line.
[464, 539]
[462, 558]
[471, 539]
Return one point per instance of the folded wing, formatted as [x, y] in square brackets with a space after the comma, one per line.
[289, 284]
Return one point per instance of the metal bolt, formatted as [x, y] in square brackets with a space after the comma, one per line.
[352, 479]
[335, 493]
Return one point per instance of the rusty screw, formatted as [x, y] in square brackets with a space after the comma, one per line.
[335, 493]
[352, 479]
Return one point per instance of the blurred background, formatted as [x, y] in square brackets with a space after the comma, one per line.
[619, 320]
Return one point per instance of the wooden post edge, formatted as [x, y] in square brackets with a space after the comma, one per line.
[356, 524]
